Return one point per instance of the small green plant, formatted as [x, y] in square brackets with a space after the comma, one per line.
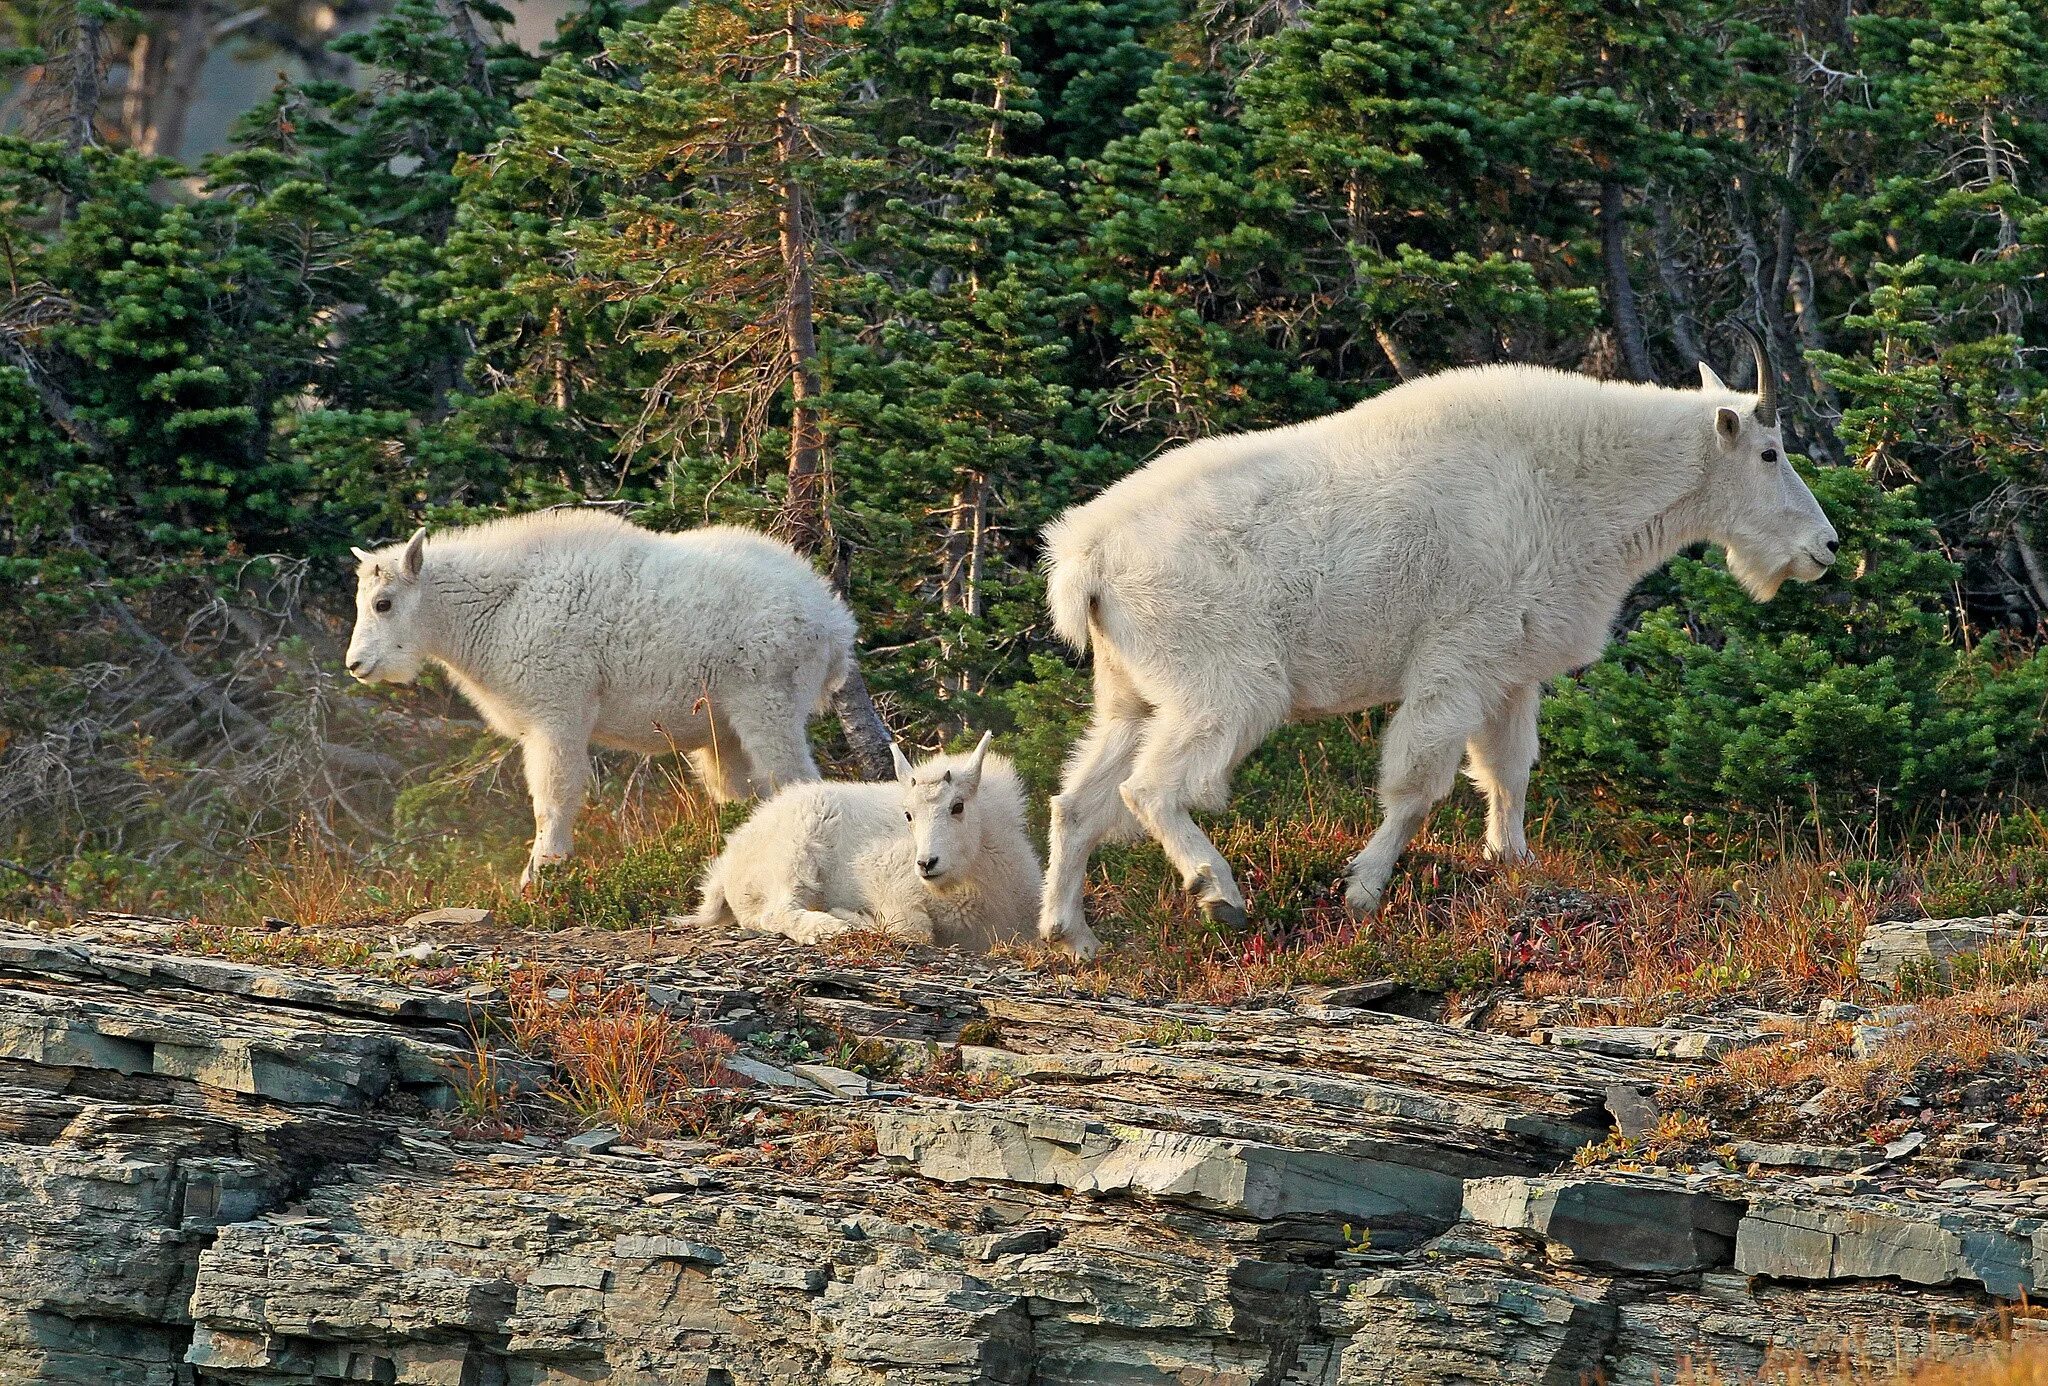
[1166, 1034]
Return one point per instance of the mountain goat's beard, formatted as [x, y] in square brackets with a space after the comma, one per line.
[1762, 583]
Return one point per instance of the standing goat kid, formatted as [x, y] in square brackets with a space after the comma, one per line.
[1448, 546]
[572, 627]
[941, 856]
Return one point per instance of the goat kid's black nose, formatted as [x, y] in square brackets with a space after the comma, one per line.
[925, 865]
[1834, 545]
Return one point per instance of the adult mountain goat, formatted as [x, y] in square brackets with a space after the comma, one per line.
[1448, 546]
[944, 855]
[572, 627]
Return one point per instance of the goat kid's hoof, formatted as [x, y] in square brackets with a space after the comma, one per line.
[1223, 913]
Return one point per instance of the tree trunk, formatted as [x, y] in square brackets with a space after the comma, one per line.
[1621, 290]
[867, 736]
[802, 520]
[462, 22]
[83, 109]
[167, 93]
[1677, 283]
[1396, 356]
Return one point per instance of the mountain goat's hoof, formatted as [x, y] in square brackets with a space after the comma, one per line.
[1224, 913]
[1363, 903]
[1077, 939]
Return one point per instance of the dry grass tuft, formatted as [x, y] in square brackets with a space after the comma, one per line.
[862, 946]
[1666, 920]
[620, 1062]
[1972, 1048]
[2015, 1361]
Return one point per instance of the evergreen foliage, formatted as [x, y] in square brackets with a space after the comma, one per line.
[904, 281]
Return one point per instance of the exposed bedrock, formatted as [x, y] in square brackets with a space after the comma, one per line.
[213, 1172]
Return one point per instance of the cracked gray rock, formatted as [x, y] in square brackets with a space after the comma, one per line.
[215, 1173]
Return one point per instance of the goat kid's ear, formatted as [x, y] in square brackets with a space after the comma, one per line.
[415, 550]
[902, 762]
[1708, 380]
[363, 555]
[1727, 427]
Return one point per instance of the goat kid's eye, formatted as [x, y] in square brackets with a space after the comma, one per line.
[906, 815]
[959, 809]
[382, 604]
[1770, 454]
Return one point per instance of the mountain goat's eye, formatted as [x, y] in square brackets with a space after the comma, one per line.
[958, 809]
[906, 815]
[382, 604]
[1770, 454]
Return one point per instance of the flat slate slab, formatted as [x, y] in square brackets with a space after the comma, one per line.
[1894, 945]
[1875, 1238]
[1642, 1223]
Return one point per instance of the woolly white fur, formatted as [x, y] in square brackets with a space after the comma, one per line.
[819, 859]
[1448, 546]
[572, 627]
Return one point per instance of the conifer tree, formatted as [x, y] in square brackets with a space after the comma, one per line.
[957, 408]
[715, 140]
[1374, 115]
[1191, 255]
[1953, 227]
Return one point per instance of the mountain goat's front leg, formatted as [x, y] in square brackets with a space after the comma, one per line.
[1418, 766]
[557, 773]
[1501, 754]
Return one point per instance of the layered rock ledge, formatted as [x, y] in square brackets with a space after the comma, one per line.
[216, 1172]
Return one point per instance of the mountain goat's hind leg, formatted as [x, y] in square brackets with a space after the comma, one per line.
[1425, 739]
[557, 772]
[1501, 754]
[773, 734]
[1088, 809]
[1185, 763]
[722, 769]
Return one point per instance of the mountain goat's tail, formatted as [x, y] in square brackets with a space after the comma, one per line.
[1073, 588]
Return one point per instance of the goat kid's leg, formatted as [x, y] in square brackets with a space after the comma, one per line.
[802, 925]
[1501, 754]
[1420, 764]
[1186, 762]
[557, 773]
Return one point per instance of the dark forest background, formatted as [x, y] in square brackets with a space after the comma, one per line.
[902, 280]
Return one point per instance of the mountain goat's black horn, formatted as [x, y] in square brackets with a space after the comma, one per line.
[1766, 378]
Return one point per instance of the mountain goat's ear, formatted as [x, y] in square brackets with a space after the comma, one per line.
[902, 763]
[415, 549]
[1727, 427]
[1708, 380]
[363, 555]
[970, 773]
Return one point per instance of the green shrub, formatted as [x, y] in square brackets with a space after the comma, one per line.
[1850, 693]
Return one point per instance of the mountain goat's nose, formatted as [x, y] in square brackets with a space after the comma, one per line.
[357, 665]
[927, 865]
[1834, 546]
